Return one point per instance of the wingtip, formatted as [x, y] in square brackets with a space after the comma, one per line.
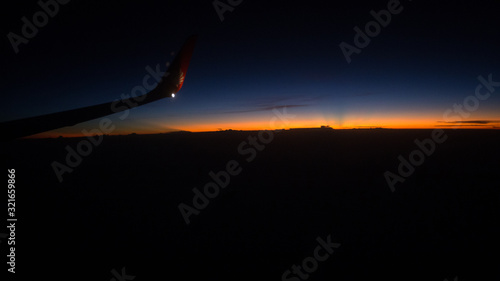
[181, 62]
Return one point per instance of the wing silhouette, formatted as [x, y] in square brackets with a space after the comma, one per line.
[170, 84]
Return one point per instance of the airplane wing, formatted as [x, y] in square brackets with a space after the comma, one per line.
[170, 84]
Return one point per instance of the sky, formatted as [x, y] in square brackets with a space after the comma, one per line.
[423, 63]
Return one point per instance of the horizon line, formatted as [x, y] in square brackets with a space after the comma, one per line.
[323, 128]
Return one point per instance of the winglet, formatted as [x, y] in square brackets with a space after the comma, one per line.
[180, 64]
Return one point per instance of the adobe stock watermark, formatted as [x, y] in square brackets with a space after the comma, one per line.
[221, 179]
[30, 29]
[121, 277]
[221, 7]
[425, 148]
[311, 264]
[94, 137]
[372, 29]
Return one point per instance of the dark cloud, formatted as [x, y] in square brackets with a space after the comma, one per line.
[270, 103]
[465, 125]
[266, 108]
[471, 122]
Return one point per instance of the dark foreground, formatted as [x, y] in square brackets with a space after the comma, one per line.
[119, 208]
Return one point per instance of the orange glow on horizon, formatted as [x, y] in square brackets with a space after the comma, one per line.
[354, 123]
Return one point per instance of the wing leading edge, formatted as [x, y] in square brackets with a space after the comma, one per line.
[170, 84]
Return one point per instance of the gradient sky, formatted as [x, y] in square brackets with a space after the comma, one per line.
[263, 55]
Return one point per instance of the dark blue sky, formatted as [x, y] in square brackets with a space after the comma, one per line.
[261, 56]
